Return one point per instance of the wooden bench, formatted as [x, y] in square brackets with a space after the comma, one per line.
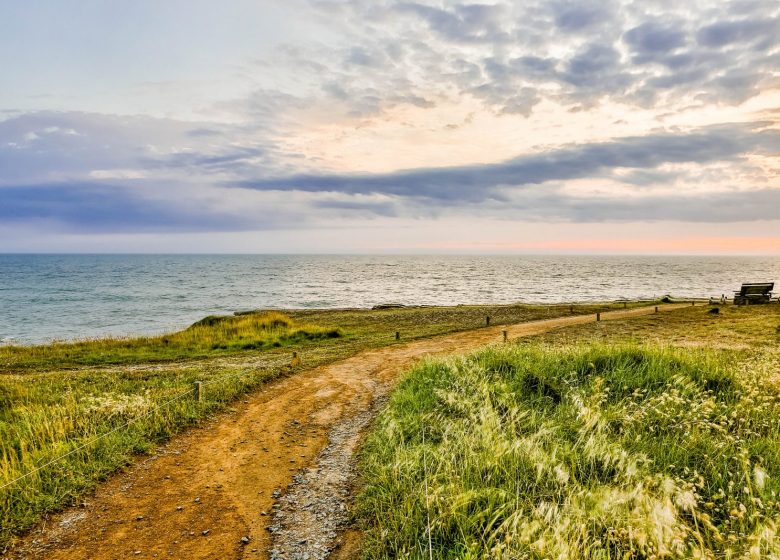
[754, 292]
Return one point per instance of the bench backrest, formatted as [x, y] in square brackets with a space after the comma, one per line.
[756, 288]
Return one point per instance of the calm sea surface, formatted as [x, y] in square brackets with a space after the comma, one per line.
[77, 296]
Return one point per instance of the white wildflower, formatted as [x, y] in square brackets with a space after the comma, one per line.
[759, 476]
[561, 474]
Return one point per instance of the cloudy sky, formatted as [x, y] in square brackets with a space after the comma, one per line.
[380, 126]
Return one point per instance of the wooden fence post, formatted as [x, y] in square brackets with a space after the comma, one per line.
[598, 316]
[656, 309]
[487, 321]
[198, 389]
[398, 335]
[505, 335]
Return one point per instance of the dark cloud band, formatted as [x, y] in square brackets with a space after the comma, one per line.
[481, 182]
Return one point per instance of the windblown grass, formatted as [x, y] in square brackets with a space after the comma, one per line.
[212, 336]
[46, 415]
[56, 398]
[597, 452]
[41, 419]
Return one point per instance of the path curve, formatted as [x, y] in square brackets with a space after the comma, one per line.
[215, 491]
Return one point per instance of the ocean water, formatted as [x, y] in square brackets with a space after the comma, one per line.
[45, 297]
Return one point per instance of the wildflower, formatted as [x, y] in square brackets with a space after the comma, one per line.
[561, 474]
[759, 477]
[686, 500]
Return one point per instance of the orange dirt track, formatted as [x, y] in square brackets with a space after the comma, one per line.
[198, 495]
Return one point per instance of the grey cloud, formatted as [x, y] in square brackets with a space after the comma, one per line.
[675, 79]
[360, 56]
[201, 132]
[477, 183]
[226, 160]
[723, 207]
[521, 102]
[495, 51]
[45, 146]
[384, 208]
[596, 67]
[651, 38]
[581, 16]
[648, 177]
[465, 23]
[95, 207]
[50, 147]
[739, 31]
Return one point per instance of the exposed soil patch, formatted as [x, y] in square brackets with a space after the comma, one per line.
[211, 492]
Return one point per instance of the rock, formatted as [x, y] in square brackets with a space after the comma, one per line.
[204, 533]
[197, 500]
[244, 540]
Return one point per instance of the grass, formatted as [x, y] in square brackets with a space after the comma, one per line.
[735, 328]
[638, 439]
[209, 337]
[246, 333]
[46, 414]
[56, 398]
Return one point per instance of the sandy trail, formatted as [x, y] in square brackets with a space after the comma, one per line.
[200, 494]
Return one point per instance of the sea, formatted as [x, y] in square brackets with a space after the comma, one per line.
[65, 297]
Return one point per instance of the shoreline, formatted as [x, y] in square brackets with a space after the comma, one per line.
[86, 297]
[12, 341]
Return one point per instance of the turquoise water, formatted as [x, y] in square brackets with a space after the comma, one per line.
[43, 297]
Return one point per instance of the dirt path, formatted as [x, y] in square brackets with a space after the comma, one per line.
[267, 478]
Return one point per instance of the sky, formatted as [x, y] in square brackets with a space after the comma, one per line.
[360, 126]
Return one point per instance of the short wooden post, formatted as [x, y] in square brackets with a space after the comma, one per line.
[296, 361]
[398, 335]
[625, 304]
[693, 303]
[487, 320]
[656, 309]
[598, 316]
[505, 335]
[198, 389]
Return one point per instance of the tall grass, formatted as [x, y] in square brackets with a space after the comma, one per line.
[211, 336]
[44, 415]
[55, 398]
[598, 452]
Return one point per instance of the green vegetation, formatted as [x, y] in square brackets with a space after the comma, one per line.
[741, 329]
[47, 414]
[245, 333]
[56, 398]
[211, 336]
[596, 441]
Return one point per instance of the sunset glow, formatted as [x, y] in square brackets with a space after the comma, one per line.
[328, 126]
